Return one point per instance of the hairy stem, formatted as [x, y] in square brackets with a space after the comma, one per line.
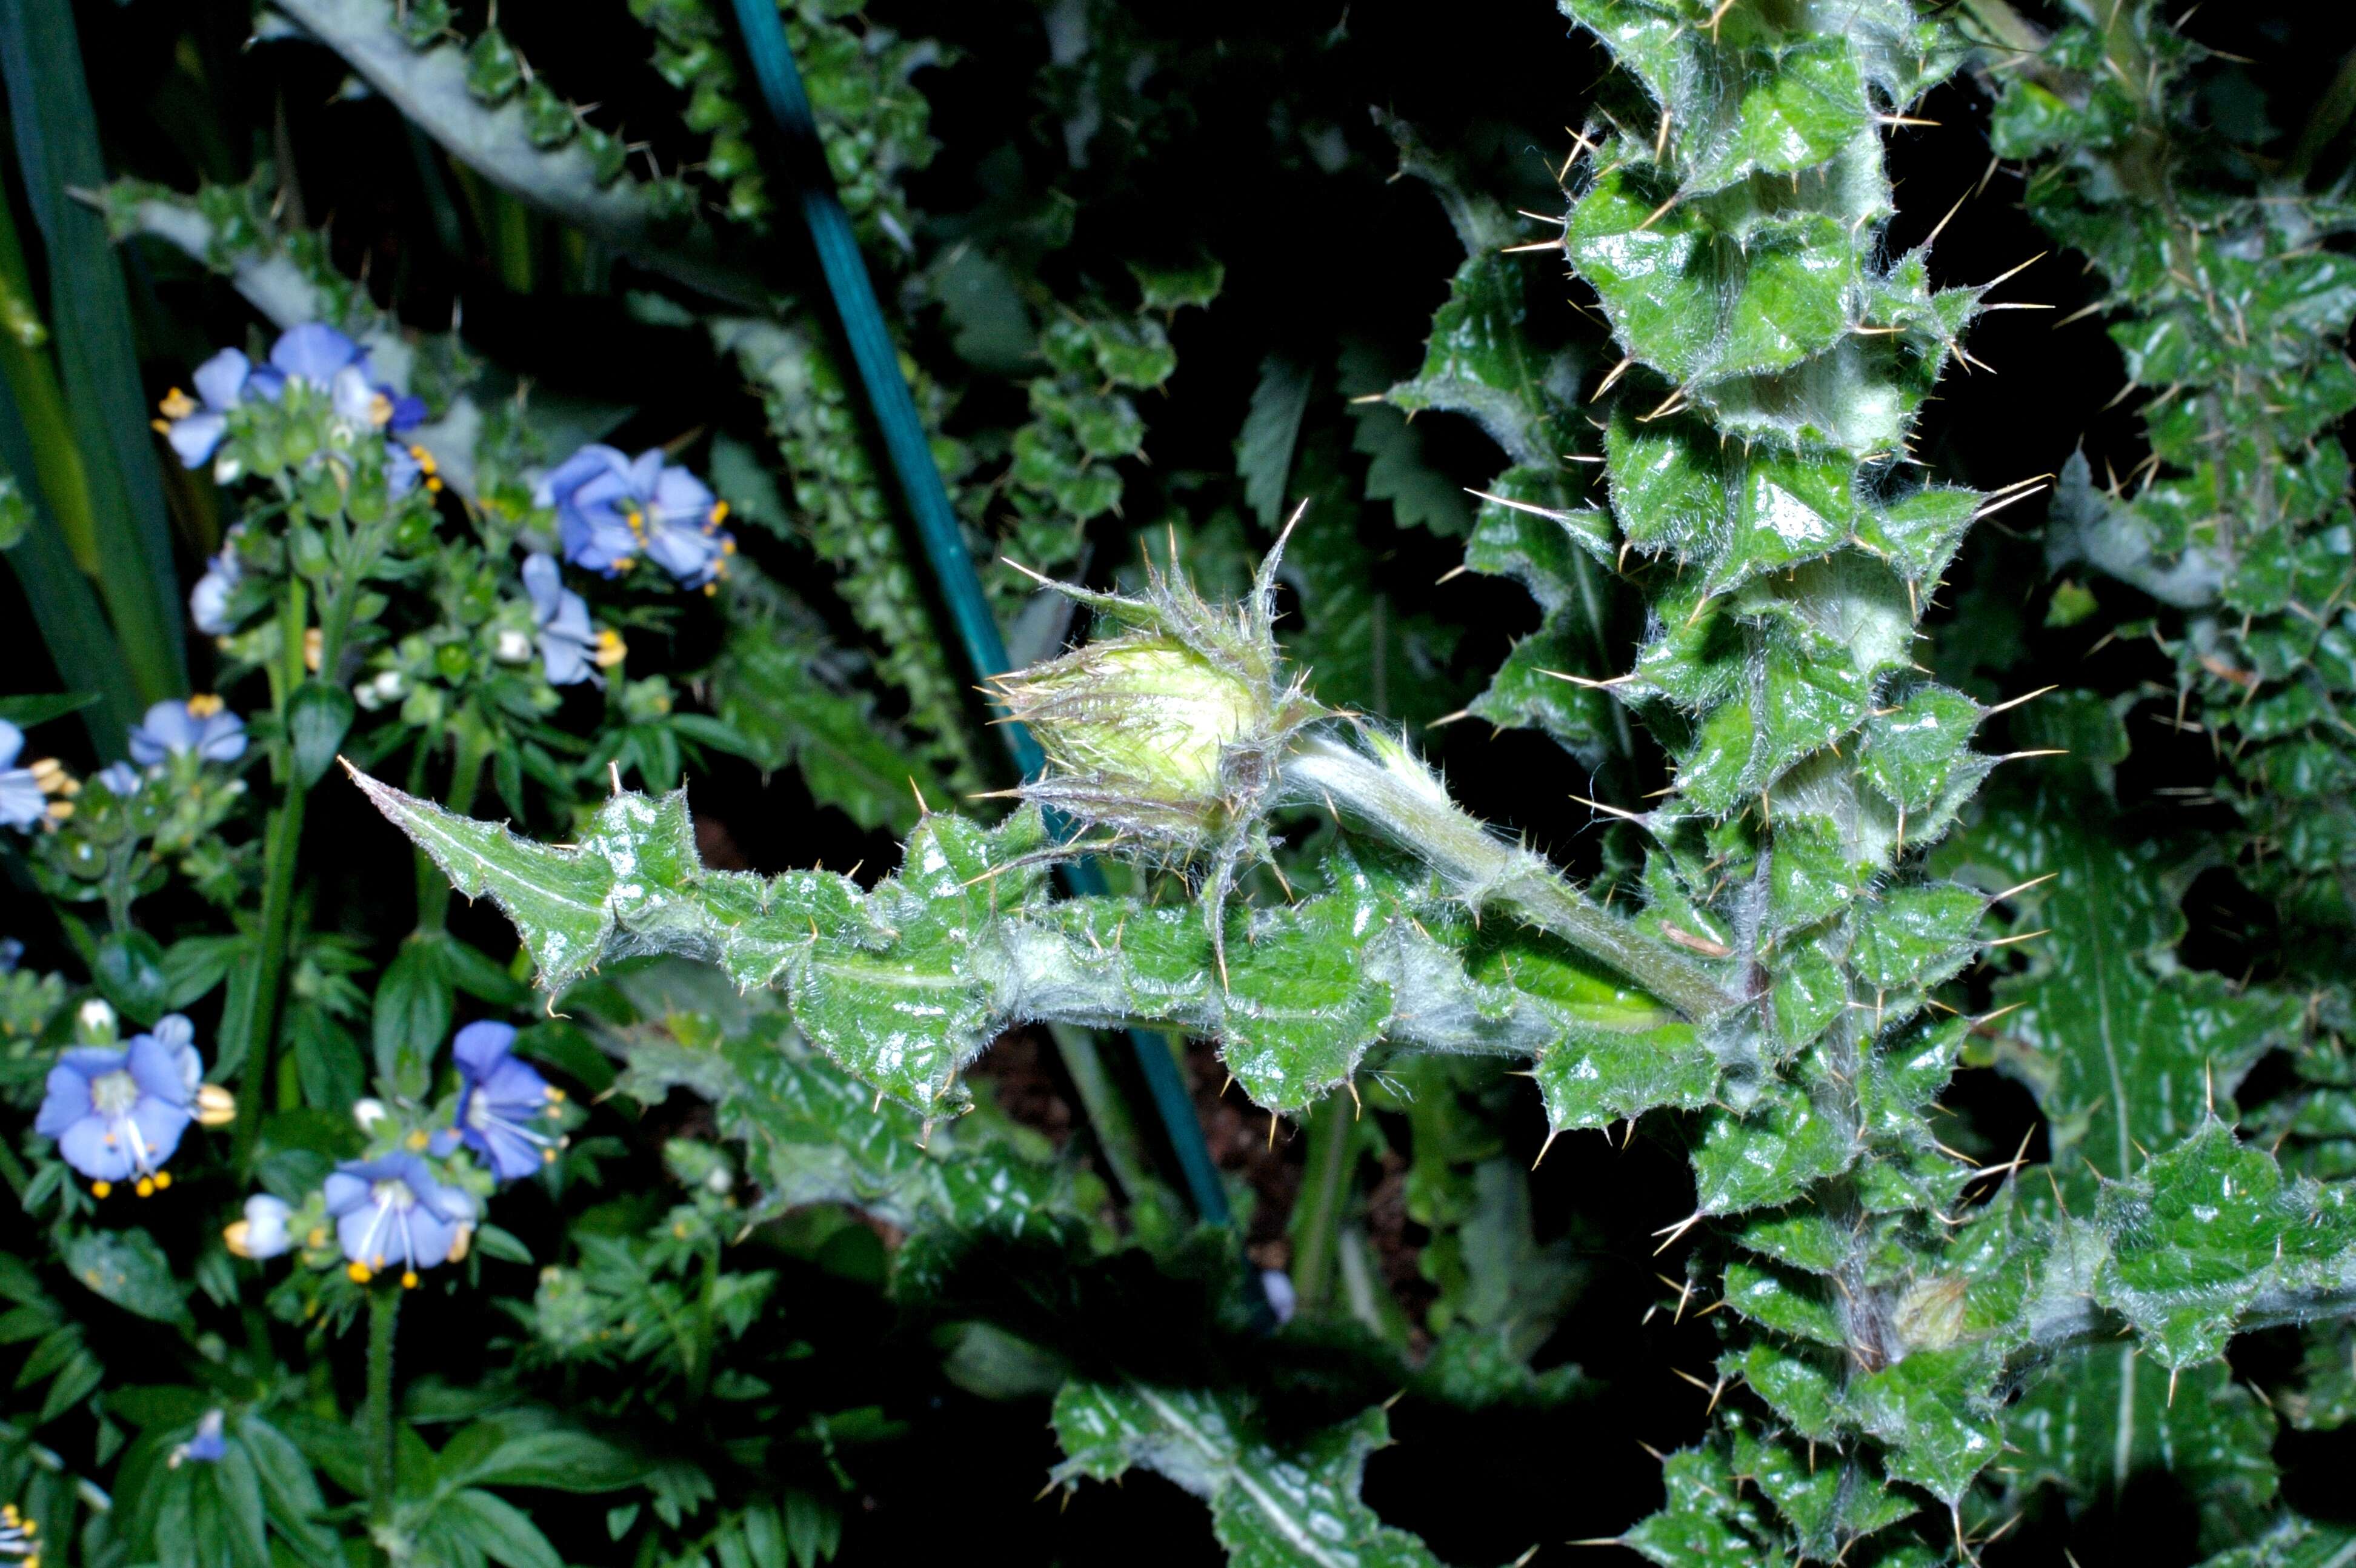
[384, 1318]
[1398, 798]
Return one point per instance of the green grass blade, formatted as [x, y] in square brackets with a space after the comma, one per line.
[80, 644]
[57, 147]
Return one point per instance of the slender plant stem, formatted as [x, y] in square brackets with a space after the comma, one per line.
[282, 847]
[1316, 1248]
[1399, 798]
[465, 776]
[384, 1317]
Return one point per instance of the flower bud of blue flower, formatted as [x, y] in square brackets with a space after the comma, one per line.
[263, 1232]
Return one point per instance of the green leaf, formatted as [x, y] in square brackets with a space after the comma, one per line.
[1270, 1507]
[497, 1528]
[29, 710]
[129, 967]
[1271, 429]
[57, 145]
[431, 89]
[130, 1270]
[2104, 1414]
[317, 716]
[2203, 1230]
[556, 1458]
[1548, 549]
[2124, 1048]
[411, 1017]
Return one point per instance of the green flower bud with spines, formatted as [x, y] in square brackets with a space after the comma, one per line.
[1171, 732]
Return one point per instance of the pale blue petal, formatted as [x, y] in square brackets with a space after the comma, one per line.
[543, 582]
[220, 380]
[193, 439]
[313, 352]
[22, 804]
[479, 1047]
[84, 1147]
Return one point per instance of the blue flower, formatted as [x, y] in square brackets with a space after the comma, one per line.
[393, 1209]
[118, 1112]
[567, 647]
[611, 509]
[200, 725]
[318, 355]
[195, 426]
[503, 1104]
[122, 778]
[208, 599]
[22, 804]
[206, 1446]
[263, 1232]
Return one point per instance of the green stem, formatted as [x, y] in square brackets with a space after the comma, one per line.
[1398, 797]
[473, 749]
[282, 847]
[384, 1317]
[1325, 1192]
[1118, 1138]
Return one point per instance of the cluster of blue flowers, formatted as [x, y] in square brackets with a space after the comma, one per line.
[612, 509]
[118, 1112]
[394, 1211]
[42, 792]
[313, 355]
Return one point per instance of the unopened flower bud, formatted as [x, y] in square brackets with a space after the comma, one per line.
[1170, 731]
[263, 1232]
[367, 1113]
[512, 647]
[96, 1024]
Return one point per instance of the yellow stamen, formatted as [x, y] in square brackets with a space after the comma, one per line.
[60, 810]
[719, 513]
[460, 1242]
[100, 1188]
[146, 1188]
[611, 649]
[357, 1271]
[417, 1139]
[204, 705]
[318, 1238]
[176, 405]
[216, 1106]
[409, 1279]
[238, 1237]
[163, 1179]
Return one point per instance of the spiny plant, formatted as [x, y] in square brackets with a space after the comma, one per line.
[1778, 980]
[768, 1168]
